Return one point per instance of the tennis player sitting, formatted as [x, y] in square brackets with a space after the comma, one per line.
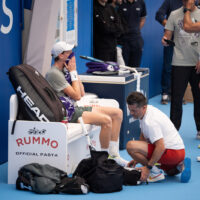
[159, 142]
[64, 79]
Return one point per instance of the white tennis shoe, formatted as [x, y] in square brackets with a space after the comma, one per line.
[156, 175]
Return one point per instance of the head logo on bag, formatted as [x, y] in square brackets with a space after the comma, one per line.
[28, 101]
[37, 100]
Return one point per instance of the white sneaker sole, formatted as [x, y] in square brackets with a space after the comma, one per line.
[157, 178]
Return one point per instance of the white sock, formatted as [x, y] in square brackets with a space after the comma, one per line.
[102, 149]
[114, 148]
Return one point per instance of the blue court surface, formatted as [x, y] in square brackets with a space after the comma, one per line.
[169, 189]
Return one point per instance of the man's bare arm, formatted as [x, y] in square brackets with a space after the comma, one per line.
[188, 25]
[142, 137]
[142, 21]
[164, 22]
[75, 90]
[158, 152]
[167, 35]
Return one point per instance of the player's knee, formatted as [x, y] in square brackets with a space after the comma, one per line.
[130, 146]
[107, 122]
[118, 114]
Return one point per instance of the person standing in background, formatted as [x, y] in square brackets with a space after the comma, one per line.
[134, 12]
[192, 27]
[161, 16]
[115, 4]
[107, 28]
[184, 68]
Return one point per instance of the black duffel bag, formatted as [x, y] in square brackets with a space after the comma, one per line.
[103, 175]
[46, 179]
[131, 176]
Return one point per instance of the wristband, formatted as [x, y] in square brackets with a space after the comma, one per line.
[187, 9]
[74, 75]
[149, 167]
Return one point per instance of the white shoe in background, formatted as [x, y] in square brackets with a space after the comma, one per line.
[165, 99]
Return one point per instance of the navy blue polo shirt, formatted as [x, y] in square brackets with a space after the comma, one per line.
[166, 8]
[132, 13]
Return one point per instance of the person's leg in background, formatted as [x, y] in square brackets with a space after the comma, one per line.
[194, 82]
[126, 52]
[106, 54]
[136, 50]
[166, 74]
[179, 80]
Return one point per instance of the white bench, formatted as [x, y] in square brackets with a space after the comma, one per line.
[55, 143]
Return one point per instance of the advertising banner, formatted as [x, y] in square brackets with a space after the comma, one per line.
[54, 143]
[10, 55]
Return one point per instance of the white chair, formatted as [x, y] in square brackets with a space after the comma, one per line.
[54, 143]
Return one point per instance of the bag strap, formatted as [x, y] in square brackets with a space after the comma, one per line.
[15, 121]
[13, 127]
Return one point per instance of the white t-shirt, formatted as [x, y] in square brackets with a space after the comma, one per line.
[156, 125]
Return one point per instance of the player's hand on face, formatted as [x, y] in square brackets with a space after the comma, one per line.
[72, 64]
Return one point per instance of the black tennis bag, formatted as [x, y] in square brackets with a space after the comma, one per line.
[103, 175]
[37, 100]
[46, 179]
[131, 176]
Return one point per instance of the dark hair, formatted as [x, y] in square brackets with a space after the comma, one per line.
[136, 98]
[57, 58]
